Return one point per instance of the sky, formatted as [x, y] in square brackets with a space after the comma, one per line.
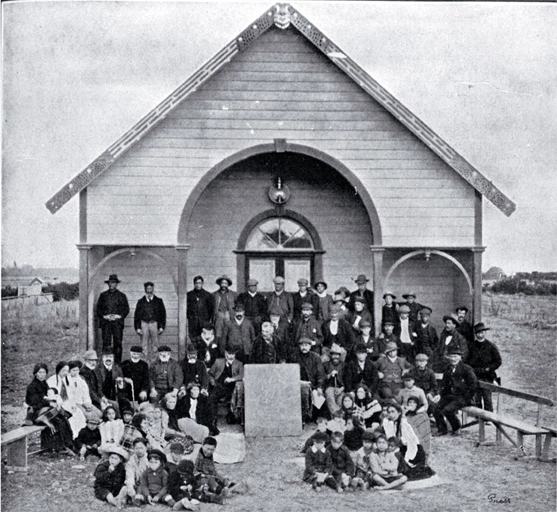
[77, 75]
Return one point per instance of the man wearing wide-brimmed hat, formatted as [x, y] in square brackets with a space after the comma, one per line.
[389, 311]
[112, 309]
[224, 302]
[325, 301]
[457, 390]
[412, 304]
[450, 338]
[363, 292]
[281, 300]
[484, 358]
[255, 303]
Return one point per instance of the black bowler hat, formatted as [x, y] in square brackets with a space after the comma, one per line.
[479, 327]
[137, 349]
[112, 277]
[164, 348]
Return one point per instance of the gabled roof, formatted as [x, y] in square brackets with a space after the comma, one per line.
[283, 16]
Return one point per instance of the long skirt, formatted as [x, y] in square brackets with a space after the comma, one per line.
[422, 428]
[421, 470]
[62, 438]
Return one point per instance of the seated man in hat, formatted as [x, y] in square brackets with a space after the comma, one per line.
[223, 306]
[88, 373]
[334, 380]
[391, 368]
[427, 340]
[464, 327]
[307, 326]
[267, 348]
[108, 374]
[112, 309]
[405, 332]
[239, 333]
[450, 338]
[425, 379]
[200, 304]
[458, 387]
[281, 329]
[387, 337]
[365, 338]
[413, 306]
[484, 358]
[136, 374]
[312, 376]
[389, 312]
[336, 330]
[207, 345]
[224, 375]
[361, 371]
[255, 304]
[360, 314]
[149, 318]
[303, 296]
[193, 370]
[363, 293]
[341, 298]
[325, 301]
[280, 300]
[165, 375]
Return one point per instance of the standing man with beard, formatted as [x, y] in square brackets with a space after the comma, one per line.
[255, 304]
[303, 296]
[112, 310]
[280, 300]
[464, 327]
[200, 304]
[450, 339]
[224, 301]
[239, 333]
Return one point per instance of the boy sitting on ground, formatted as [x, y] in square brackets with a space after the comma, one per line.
[321, 427]
[182, 486]
[384, 466]
[364, 476]
[153, 488]
[342, 463]
[88, 440]
[110, 476]
[319, 465]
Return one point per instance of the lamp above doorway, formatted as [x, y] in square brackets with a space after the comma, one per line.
[279, 193]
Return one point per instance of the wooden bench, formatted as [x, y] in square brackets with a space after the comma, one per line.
[501, 421]
[15, 443]
[551, 432]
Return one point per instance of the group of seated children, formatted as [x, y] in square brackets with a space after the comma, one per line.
[149, 477]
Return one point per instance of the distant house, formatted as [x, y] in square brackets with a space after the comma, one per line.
[280, 156]
[35, 287]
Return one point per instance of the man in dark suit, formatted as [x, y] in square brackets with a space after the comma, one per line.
[239, 333]
[90, 377]
[223, 305]
[200, 304]
[112, 310]
[193, 370]
[266, 347]
[195, 405]
[405, 332]
[450, 338]
[255, 304]
[337, 331]
[303, 296]
[464, 327]
[363, 292]
[484, 358]
[136, 372]
[281, 329]
[361, 371]
[427, 340]
[149, 319]
[280, 300]
[457, 390]
[207, 345]
[414, 306]
[307, 326]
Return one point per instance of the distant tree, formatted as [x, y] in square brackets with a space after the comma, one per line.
[9, 291]
[62, 291]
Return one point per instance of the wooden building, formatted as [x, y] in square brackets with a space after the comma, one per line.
[280, 156]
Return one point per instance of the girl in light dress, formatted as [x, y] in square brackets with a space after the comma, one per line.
[112, 429]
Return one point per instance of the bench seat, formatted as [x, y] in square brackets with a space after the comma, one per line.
[508, 421]
[15, 443]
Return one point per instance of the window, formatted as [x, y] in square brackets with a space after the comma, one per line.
[279, 234]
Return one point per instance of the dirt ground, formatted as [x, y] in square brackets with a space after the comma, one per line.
[475, 478]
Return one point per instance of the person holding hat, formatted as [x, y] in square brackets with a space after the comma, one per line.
[325, 301]
[358, 315]
[312, 376]
[149, 318]
[337, 330]
[136, 374]
[414, 307]
[110, 477]
[405, 332]
[281, 300]
[363, 293]
[427, 339]
[449, 339]
[464, 327]
[391, 367]
[484, 358]
[458, 387]
[239, 333]
[165, 375]
[224, 301]
[199, 309]
[389, 311]
[304, 295]
[89, 439]
[255, 304]
[307, 326]
[194, 413]
[112, 310]
[153, 486]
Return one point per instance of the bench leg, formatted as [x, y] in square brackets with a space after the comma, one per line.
[538, 445]
[17, 455]
[481, 429]
[498, 437]
[546, 448]
[520, 443]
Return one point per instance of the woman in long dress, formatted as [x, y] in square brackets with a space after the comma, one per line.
[78, 391]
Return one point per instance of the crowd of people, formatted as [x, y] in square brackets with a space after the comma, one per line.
[372, 396]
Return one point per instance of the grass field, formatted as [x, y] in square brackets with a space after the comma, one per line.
[524, 328]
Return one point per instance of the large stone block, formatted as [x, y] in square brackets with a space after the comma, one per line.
[272, 400]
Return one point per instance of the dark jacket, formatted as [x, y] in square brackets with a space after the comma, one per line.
[200, 305]
[310, 328]
[440, 362]
[139, 374]
[311, 369]
[283, 302]
[389, 314]
[174, 375]
[267, 353]
[372, 346]
[34, 397]
[203, 414]
[218, 296]
[484, 358]
[100, 374]
[176, 481]
[256, 306]
[237, 335]
[427, 340]
[282, 332]
[461, 383]
[216, 370]
[353, 315]
[368, 297]
[202, 350]
[338, 380]
[159, 312]
[90, 378]
[317, 462]
[415, 309]
[298, 300]
[465, 328]
[425, 379]
[353, 376]
[196, 372]
[112, 302]
[88, 437]
[110, 481]
[344, 337]
[341, 461]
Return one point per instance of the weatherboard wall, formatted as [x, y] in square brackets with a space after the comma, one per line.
[281, 87]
